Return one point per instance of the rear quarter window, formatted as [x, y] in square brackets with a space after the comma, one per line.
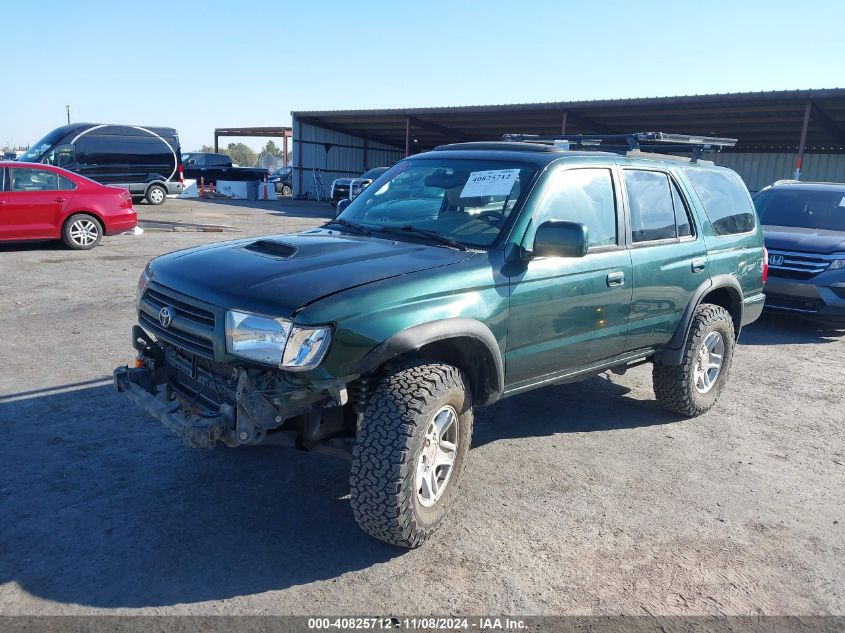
[725, 199]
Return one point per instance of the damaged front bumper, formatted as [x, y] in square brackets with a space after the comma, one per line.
[200, 431]
[205, 402]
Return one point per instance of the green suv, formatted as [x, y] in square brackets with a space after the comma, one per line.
[460, 276]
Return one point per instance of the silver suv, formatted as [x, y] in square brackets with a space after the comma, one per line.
[804, 230]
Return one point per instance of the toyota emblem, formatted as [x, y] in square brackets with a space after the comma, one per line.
[165, 316]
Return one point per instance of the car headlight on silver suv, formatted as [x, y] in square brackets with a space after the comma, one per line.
[275, 341]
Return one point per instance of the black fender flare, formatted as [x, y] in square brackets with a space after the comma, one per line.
[415, 337]
[673, 354]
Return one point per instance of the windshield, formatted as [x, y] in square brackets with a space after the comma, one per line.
[37, 150]
[805, 208]
[468, 201]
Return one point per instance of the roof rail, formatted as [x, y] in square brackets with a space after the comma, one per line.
[632, 142]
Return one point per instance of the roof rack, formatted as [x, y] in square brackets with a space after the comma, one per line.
[635, 141]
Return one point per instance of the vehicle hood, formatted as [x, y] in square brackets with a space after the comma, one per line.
[788, 238]
[278, 274]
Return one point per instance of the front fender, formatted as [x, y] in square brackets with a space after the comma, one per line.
[418, 336]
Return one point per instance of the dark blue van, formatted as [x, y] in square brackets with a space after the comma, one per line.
[145, 160]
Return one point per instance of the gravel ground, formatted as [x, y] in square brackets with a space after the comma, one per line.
[577, 499]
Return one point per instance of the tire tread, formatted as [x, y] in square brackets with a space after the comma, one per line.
[382, 458]
[672, 383]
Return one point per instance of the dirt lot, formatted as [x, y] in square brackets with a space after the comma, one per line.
[585, 498]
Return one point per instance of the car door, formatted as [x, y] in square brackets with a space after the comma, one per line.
[5, 225]
[33, 203]
[668, 255]
[570, 313]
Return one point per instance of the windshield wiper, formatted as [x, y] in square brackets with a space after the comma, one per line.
[357, 228]
[432, 235]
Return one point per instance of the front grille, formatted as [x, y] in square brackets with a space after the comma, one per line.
[158, 300]
[191, 328]
[174, 336]
[796, 265]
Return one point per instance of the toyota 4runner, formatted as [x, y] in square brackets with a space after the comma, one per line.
[460, 276]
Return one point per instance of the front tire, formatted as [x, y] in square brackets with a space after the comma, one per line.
[82, 232]
[287, 191]
[411, 452]
[693, 387]
[156, 195]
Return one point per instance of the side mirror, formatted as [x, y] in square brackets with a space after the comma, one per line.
[560, 239]
[341, 205]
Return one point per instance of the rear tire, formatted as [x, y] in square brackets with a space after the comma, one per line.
[156, 194]
[694, 386]
[82, 232]
[402, 481]
[286, 190]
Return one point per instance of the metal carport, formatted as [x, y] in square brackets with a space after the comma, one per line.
[775, 129]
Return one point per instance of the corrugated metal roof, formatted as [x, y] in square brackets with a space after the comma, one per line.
[767, 121]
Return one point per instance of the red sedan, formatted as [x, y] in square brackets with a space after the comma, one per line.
[41, 202]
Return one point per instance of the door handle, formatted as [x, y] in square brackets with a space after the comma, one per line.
[2, 202]
[60, 199]
[616, 279]
[698, 264]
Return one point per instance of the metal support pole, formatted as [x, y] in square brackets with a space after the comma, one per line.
[563, 124]
[800, 158]
[216, 143]
[407, 136]
[285, 150]
[366, 147]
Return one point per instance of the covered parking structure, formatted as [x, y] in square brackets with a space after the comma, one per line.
[780, 133]
[283, 133]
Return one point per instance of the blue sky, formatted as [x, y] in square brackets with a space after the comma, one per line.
[196, 66]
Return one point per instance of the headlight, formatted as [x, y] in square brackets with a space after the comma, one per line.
[836, 264]
[275, 342]
[143, 283]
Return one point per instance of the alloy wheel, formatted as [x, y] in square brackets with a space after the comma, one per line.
[84, 232]
[437, 458]
[709, 361]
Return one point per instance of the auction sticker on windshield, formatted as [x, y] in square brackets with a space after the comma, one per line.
[494, 182]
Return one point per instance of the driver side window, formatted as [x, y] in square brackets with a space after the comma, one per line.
[62, 156]
[579, 195]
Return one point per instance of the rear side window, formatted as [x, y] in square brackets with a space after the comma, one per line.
[652, 209]
[65, 184]
[725, 199]
[33, 180]
[101, 151]
[682, 219]
[580, 195]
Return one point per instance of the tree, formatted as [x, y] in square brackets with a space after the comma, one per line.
[208, 149]
[242, 155]
[271, 149]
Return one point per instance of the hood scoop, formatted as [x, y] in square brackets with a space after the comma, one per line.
[272, 248]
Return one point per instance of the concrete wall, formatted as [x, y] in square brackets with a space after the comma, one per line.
[344, 159]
